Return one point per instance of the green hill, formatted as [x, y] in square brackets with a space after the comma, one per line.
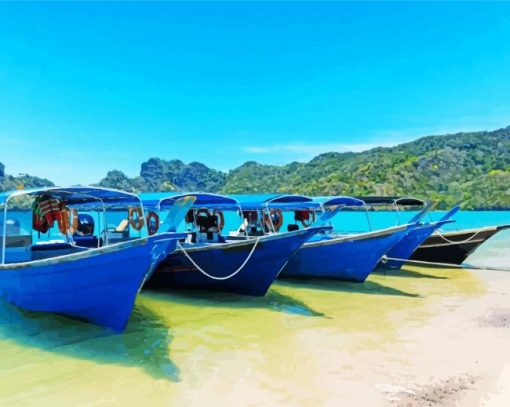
[9, 182]
[474, 167]
[160, 175]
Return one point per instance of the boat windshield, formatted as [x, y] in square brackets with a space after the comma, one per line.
[274, 213]
[388, 211]
[51, 222]
[207, 217]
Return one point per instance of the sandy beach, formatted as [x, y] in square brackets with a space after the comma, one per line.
[415, 337]
[458, 356]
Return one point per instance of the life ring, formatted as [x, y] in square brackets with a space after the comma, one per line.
[269, 220]
[221, 220]
[73, 226]
[152, 223]
[136, 224]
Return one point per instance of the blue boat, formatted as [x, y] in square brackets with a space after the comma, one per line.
[83, 252]
[240, 262]
[350, 257]
[399, 254]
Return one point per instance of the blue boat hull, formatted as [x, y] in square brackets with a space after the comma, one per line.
[99, 285]
[220, 260]
[409, 243]
[343, 258]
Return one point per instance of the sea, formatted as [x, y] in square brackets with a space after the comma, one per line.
[195, 348]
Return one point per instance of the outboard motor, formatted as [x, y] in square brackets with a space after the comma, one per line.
[85, 225]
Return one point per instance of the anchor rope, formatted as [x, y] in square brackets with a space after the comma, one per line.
[449, 265]
[205, 273]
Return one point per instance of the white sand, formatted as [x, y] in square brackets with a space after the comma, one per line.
[461, 356]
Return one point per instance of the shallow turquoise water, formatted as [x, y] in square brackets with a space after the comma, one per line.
[194, 348]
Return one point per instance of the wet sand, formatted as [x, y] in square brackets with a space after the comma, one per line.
[415, 337]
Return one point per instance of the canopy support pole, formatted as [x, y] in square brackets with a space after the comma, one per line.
[4, 232]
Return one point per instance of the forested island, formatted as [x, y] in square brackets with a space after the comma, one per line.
[473, 167]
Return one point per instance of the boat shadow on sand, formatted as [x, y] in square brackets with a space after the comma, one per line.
[368, 287]
[273, 300]
[144, 344]
[408, 273]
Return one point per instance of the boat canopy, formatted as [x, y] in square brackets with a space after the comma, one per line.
[203, 200]
[77, 196]
[331, 201]
[391, 200]
[276, 201]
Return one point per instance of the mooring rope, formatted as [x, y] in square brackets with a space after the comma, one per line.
[385, 259]
[458, 241]
[205, 273]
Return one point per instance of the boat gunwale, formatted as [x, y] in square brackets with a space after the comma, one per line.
[92, 252]
[471, 230]
[357, 236]
[77, 256]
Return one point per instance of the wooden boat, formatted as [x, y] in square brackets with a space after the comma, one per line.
[208, 259]
[454, 247]
[401, 252]
[342, 256]
[60, 252]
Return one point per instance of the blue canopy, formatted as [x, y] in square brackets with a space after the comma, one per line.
[77, 195]
[330, 201]
[276, 201]
[203, 200]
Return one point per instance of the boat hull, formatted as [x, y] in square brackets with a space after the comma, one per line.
[454, 247]
[99, 285]
[349, 258]
[221, 260]
[409, 243]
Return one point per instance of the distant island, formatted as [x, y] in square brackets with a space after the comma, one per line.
[473, 167]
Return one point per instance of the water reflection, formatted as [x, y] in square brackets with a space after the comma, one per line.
[144, 344]
[273, 300]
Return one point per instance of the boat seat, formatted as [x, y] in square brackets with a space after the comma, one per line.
[17, 241]
[292, 227]
[211, 236]
[51, 246]
[46, 251]
[121, 227]
[87, 241]
[255, 231]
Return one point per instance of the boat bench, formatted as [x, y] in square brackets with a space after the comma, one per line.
[46, 251]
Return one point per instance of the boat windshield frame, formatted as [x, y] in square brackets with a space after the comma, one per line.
[285, 202]
[84, 196]
[395, 201]
[339, 202]
[203, 200]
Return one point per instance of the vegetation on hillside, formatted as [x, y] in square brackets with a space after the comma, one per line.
[9, 182]
[473, 167]
[160, 175]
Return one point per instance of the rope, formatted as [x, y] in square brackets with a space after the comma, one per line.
[385, 259]
[458, 241]
[214, 277]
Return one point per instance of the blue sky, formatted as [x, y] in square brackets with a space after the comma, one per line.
[89, 87]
